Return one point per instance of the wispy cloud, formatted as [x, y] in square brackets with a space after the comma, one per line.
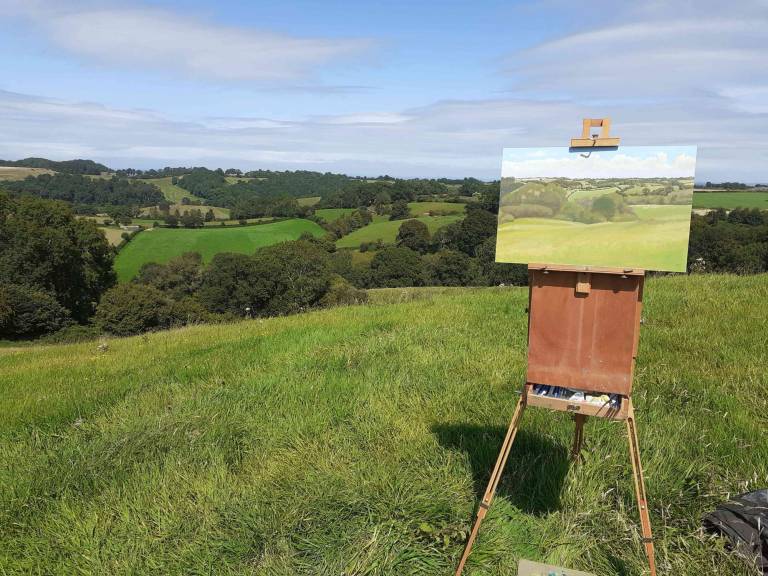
[139, 37]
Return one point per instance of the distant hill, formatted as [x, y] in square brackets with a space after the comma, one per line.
[66, 166]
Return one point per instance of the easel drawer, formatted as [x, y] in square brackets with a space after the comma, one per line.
[575, 407]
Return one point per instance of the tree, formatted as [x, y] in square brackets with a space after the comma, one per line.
[496, 273]
[414, 234]
[393, 267]
[171, 220]
[27, 313]
[43, 246]
[400, 210]
[478, 225]
[230, 284]
[178, 278]
[129, 309]
[209, 216]
[192, 219]
[451, 268]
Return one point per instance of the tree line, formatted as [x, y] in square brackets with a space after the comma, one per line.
[64, 167]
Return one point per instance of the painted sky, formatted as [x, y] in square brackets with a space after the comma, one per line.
[398, 87]
[626, 162]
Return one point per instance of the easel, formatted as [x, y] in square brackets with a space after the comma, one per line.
[583, 332]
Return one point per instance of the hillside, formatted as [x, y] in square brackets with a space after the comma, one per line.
[356, 440]
[162, 244]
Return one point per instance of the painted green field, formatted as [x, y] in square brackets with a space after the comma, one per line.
[386, 230]
[162, 244]
[171, 192]
[657, 241]
[357, 441]
[730, 200]
[331, 214]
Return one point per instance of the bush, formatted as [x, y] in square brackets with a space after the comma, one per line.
[342, 293]
[414, 234]
[73, 334]
[27, 312]
[400, 210]
[129, 309]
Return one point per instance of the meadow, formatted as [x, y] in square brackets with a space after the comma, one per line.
[730, 200]
[171, 191]
[386, 230]
[19, 173]
[657, 240]
[357, 440]
[162, 244]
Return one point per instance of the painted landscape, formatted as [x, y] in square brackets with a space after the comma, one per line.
[611, 212]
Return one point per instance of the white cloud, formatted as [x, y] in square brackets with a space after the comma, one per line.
[138, 37]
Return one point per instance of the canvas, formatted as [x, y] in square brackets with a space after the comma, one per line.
[622, 208]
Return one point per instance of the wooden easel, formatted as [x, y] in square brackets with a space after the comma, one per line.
[583, 332]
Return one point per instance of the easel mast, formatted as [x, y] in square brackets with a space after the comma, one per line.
[583, 332]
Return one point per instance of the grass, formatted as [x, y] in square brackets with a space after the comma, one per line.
[730, 200]
[19, 173]
[219, 213]
[657, 241]
[357, 441]
[386, 230]
[172, 192]
[309, 200]
[332, 214]
[424, 208]
[162, 244]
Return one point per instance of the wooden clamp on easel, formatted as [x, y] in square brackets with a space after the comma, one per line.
[583, 333]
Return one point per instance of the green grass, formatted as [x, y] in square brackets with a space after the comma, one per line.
[386, 231]
[172, 193]
[657, 241]
[423, 208]
[331, 214]
[357, 440]
[309, 200]
[162, 244]
[730, 200]
[19, 172]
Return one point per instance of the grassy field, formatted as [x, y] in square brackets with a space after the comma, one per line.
[386, 231]
[162, 244]
[171, 192]
[19, 173]
[424, 208]
[357, 440]
[331, 214]
[657, 241]
[308, 201]
[729, 200]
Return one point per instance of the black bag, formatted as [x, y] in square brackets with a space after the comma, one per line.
[744, 521]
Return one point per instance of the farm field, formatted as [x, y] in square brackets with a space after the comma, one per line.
[332, 214]
[357, 440]
[424, 208]
[308, 201]
[162, 244]
[653, 241]
[730, 200]
[171, 192]
[19, 173]
[386, 230]
[114, 235]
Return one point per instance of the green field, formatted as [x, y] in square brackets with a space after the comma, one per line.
[171, 192]
[357, 440]
[386, 230]
[424, 208]
[331, 214]
[218, 213]
[309, 200]
[162, 244]
[658, 240]
[730, 200]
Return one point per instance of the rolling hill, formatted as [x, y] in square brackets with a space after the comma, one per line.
[357, 440]
[162, 244]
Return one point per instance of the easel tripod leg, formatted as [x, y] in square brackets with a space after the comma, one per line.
[494, 480]
[578, 436]
[642, 503]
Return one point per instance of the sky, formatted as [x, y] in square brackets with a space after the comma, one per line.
[626, 162]
[409, 89]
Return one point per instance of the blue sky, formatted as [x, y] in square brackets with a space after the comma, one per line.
[404, 88]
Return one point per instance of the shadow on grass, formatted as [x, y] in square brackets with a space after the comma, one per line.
[535, 470]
